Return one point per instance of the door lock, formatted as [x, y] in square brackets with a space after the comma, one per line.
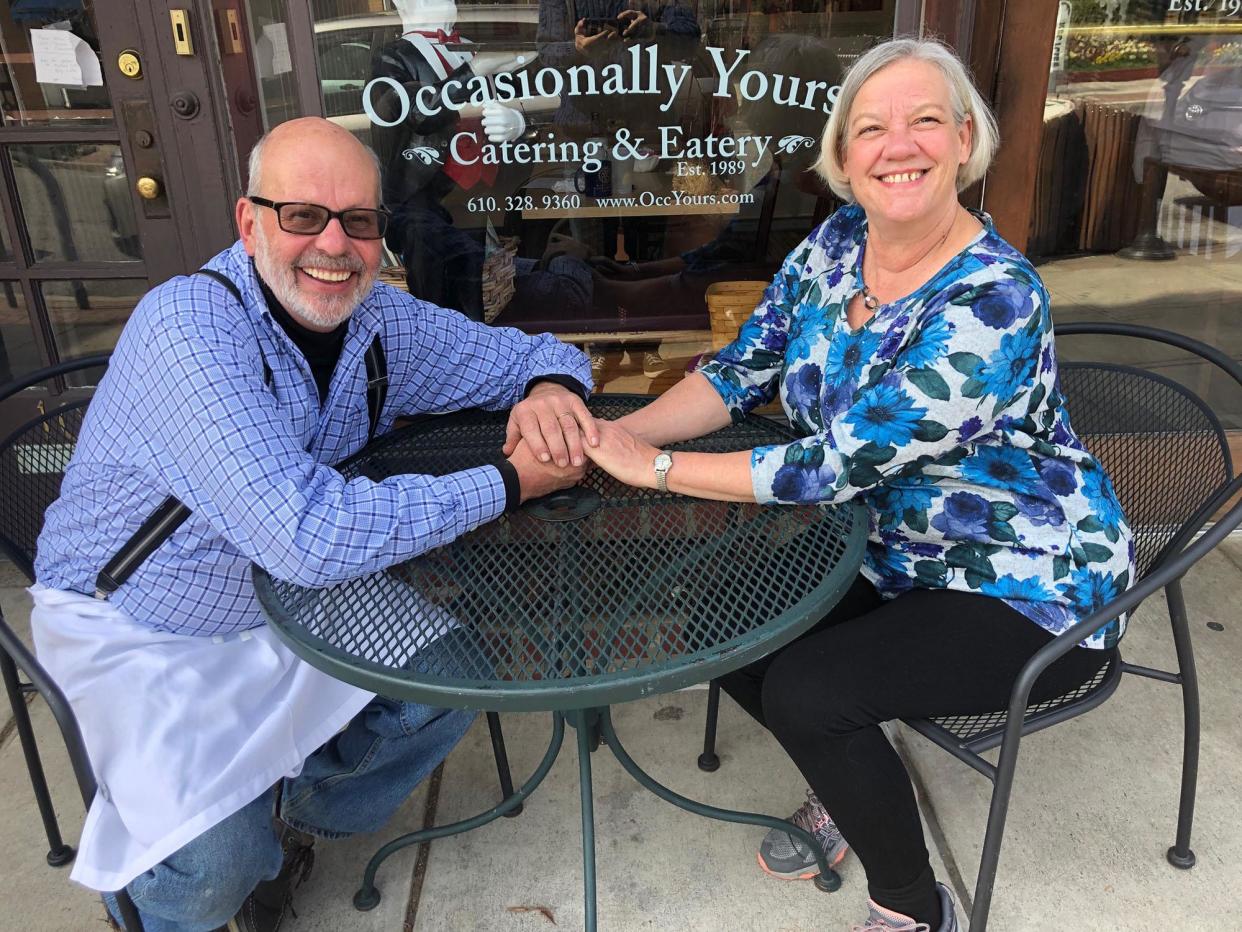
[148, 188]
[129, 64]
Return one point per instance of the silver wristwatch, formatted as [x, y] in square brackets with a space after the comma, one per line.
[663, 463]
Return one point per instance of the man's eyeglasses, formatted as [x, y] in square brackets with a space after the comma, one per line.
[313, 219]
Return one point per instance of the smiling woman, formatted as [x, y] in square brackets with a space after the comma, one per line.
[912, 349]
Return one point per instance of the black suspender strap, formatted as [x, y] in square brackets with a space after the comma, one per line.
[167, 517]
[170, 514]
[377, 384]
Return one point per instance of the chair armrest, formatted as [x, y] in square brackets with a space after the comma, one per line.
[1067, 640]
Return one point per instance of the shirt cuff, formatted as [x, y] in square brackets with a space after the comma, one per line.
[481, 492]
[564, 381]
[513, 485]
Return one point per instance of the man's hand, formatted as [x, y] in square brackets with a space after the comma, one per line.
[634, 23]
[623, 456]
[587, 45]
[538, 478]
[552, 421]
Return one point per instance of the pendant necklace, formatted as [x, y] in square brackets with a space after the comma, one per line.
[870, 301]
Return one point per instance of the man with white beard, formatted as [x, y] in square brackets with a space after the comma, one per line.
[220, 755]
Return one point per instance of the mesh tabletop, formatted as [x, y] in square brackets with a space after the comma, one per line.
[599, 594]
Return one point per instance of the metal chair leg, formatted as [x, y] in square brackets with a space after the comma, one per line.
[58, 853]
[502, 762]
[708, 761]
[1181, 855]
[997, 812]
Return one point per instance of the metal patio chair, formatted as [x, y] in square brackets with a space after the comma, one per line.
[1168, 457]
[33, 457]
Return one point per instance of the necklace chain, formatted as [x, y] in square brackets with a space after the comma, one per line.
[870, 301]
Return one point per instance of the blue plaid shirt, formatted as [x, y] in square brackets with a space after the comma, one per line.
[183, 410]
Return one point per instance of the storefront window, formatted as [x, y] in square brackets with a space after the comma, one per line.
[1138, 214]
[594, 167]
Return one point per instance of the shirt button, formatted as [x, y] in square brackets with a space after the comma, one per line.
[103, 791]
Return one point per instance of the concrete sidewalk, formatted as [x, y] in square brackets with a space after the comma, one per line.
[1094, 809]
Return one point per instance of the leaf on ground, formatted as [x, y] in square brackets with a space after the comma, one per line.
[544, 911]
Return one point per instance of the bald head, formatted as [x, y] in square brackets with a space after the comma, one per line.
[311, 144]
[309, 165]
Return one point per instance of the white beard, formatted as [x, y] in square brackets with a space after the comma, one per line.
[321, 311]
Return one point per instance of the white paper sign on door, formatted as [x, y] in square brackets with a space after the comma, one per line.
[60, 57]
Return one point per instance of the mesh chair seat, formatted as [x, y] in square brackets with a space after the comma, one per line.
[978, 733]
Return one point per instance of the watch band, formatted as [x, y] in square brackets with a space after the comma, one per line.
[663, 463]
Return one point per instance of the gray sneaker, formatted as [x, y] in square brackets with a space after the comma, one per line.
[880, 919]
[782, 855]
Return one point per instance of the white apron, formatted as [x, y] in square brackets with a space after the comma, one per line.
[182, 731]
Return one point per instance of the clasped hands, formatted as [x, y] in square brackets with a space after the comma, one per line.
[551, 438]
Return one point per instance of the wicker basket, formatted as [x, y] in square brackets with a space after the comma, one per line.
[729, 304]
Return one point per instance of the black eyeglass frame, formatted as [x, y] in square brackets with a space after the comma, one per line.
[338, 215]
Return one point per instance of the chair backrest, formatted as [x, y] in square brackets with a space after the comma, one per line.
[1161, 444]
[34, 454]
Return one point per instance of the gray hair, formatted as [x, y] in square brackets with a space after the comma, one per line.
[963, 98]
[256, 168]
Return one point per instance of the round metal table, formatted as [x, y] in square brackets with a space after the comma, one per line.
[599, 594]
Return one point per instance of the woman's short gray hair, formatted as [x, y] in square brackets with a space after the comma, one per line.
[963, 97]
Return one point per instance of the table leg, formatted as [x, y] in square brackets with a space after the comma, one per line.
[586, 722]
[502, 762]
[368, 896]
[828, 879]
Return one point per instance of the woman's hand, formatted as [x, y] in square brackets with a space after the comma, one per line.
[553, 421]
[623, 456]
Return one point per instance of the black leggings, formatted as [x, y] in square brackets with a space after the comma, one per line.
[924, 653]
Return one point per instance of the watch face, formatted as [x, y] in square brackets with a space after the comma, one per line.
[663, 461]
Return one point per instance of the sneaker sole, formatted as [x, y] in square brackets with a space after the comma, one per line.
[805, 874]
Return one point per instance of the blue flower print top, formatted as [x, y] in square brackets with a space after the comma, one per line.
[943, 413]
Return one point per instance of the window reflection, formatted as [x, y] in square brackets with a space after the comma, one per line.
[75, 202]
[1138, 213]
[592, 167]
[87, 316]
[19, 353]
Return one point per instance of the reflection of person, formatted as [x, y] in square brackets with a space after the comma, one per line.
[595, 33]
[913, 349]
[202, 728]
[745, 248]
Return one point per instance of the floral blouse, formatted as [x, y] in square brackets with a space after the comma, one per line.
[944, 414]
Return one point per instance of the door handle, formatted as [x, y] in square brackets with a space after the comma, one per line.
[148, 188]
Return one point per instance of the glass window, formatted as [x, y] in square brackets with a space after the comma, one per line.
[49, 64]
[593, 167]
[75, 202]
[87, 316]
[6, 251]
[1138, 213]
[19, 353]
[269, 37]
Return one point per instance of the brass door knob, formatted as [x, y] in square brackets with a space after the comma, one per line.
[148, 188]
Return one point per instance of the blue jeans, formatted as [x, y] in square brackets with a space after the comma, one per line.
[354, 783]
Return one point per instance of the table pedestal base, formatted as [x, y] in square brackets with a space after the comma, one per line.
[594, 727]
